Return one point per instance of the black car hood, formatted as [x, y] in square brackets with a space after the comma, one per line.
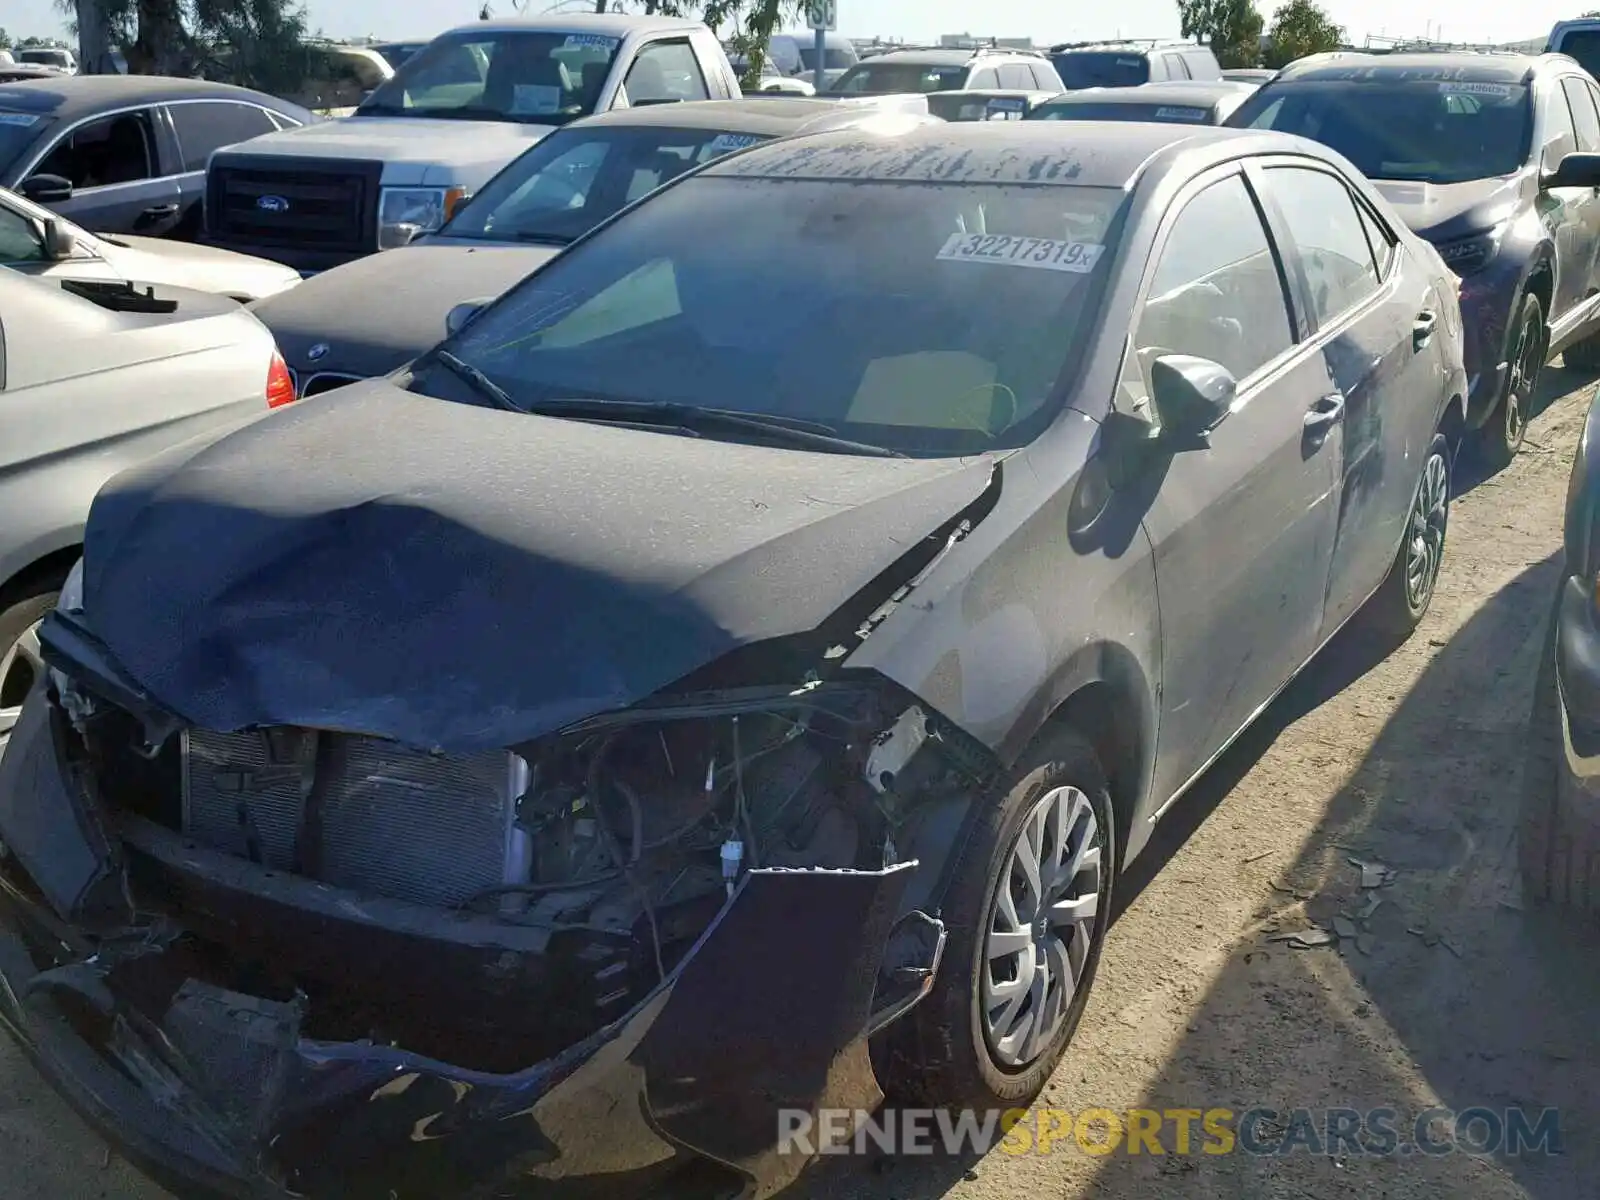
[1441, 212]
[465, 578]
[378, 313]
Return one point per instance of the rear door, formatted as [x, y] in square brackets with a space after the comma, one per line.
[1243, 530]
[114, 166]
[1586, 201]
[1563, 210]
[1373, 320]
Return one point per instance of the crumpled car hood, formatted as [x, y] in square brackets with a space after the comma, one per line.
[464, 578]
[1440, 212]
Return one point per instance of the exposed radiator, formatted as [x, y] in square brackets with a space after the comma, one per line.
[393, 821]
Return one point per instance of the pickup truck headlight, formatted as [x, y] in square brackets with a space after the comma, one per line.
[406, 212]
[1469, 254]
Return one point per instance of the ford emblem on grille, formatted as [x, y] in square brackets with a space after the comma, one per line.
[272, 204]
[318, 352]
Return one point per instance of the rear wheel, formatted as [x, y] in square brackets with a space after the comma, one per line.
[1026, 914]
[1402, 601]
[1501, 438]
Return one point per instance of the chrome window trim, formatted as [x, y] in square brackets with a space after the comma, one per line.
[148, 106]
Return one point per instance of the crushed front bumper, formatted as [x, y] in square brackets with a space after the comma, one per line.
[220, 1092]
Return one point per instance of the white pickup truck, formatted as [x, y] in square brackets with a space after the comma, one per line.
[453, 115]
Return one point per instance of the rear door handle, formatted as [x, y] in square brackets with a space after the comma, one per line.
[1326, 411]
[1422, 328]
[158, 212]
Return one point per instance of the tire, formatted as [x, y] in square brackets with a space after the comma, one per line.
[943, 1053]
[1501, 437]
[1558, 849]
[1402, 600]
[19, 662]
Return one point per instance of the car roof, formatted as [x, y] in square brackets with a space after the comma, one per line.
[1120, 47]
[617, 25]
[1098, 153]
[1466, 66]
[71, 96]
[1193, 91]
[942, 58]
[767, 115]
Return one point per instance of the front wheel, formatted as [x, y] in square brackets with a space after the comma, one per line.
[1026, 913]
[1501, 438]
[1402, 600]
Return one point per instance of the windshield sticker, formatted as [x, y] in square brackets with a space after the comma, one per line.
[1046, 254]
[1457, 87]
[1007, 104]
[535, 99]
[599, 40]
[1176, 113]
[727, 143]
[1130, 62]
[22, 120]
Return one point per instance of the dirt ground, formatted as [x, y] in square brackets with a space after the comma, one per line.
[1456, 996]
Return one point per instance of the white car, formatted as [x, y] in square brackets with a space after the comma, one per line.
[36, 241]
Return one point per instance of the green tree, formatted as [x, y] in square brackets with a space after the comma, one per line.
[5, 39]
[1300, 28]
[256, 43]
[1232, 28]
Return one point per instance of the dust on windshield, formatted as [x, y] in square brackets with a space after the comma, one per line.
[538, 77]
[1424, 130]
[895, 315]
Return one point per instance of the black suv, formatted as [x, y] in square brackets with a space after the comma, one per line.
[1473, 151]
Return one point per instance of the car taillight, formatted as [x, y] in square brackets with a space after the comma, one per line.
[280, 384]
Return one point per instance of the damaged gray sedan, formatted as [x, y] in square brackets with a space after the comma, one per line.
[726, 677]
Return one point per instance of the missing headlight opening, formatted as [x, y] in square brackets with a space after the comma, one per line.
[432, 901]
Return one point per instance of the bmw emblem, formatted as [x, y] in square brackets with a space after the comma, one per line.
[272, 204]
[318, 352]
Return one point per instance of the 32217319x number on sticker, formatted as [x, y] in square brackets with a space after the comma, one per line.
[1047, 254]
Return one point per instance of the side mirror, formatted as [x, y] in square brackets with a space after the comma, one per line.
[1192, 396]
[1574, 171]
[46, 189]
[59, 242]
[459, 317]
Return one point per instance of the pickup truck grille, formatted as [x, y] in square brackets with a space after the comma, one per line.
[306, 204]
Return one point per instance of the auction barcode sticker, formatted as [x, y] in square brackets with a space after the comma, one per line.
[1176, 113]
[1464, 87]
[22, 119]
[598, 40]
[1046, 254]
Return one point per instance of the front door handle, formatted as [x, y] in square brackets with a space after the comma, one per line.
[157, 212]
[1422, 328]
[1325, 412]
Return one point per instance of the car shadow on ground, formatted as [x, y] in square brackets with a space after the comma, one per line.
[1456, 993]
[1493, 1007]
[1555, 381]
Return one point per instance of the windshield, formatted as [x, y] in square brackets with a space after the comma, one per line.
[1426, 130]
[539, 77]
[898, 315]
[18, 131]
[891, 78]
[1101, 68]
[47, 58]
[1583, 45]
[571, 181]
[834, 59]
[1110, 110]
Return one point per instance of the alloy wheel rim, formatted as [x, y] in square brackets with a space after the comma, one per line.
[1040, 926]
[1524, 372]
[1429, 515]
[20, 667]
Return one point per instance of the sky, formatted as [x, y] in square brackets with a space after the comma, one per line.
[1043, 20]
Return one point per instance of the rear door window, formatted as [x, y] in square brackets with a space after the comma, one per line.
[1584, 118]
[1329, 238]
[209, 125]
